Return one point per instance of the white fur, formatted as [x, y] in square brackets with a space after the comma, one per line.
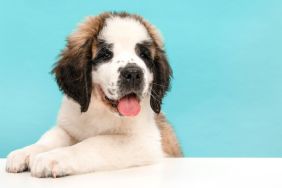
[98, 139]
[124, 33]
[102, 140]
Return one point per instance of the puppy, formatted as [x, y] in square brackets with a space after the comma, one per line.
[114, 74]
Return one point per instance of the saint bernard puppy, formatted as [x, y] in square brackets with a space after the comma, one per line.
[114, 74]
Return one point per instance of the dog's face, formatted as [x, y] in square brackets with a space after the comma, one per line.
[121, 57]
[122, 66]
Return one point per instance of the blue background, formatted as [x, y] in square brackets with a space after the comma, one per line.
[226, 98]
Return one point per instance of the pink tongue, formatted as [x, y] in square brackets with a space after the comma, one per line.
[129, 106]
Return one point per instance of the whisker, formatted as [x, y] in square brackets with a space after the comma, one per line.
[158, 84]
[152, 90]
[154, 97]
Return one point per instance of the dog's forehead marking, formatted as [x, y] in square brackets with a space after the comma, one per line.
[125, 31]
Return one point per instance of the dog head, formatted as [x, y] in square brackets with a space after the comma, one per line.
[118, 55]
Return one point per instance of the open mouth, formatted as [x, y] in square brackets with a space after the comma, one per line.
[128, 105]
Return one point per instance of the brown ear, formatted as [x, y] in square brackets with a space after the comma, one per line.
[73, 73]
[73, 69]
[161, 68]
[161, 82]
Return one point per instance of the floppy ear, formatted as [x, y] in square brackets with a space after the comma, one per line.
[74, 67]
[73, 72]
[161, 82]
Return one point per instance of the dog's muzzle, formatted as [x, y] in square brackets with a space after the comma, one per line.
[131, 80]
[131, 84]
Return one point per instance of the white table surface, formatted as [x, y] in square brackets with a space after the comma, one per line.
[187, 172]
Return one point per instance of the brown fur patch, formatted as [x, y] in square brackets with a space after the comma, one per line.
[73, 69]
[170, 144]
[90, 28]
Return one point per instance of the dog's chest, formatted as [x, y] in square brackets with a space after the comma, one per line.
[100, 121]
[94, 122]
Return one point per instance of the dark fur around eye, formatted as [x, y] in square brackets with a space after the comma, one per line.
[104, 53]
[144, 53]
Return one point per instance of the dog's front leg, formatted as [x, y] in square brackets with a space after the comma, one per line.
[19, 160]
[104, 152]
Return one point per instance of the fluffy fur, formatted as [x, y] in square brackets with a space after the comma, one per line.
[90, 134]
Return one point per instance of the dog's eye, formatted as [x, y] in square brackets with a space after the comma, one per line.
[104, 54]
[108, 54]
[144, 52]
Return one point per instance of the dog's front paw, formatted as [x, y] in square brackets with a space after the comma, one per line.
[50, 164]
[18, 160]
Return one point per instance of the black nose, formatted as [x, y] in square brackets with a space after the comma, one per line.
[132, 74]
